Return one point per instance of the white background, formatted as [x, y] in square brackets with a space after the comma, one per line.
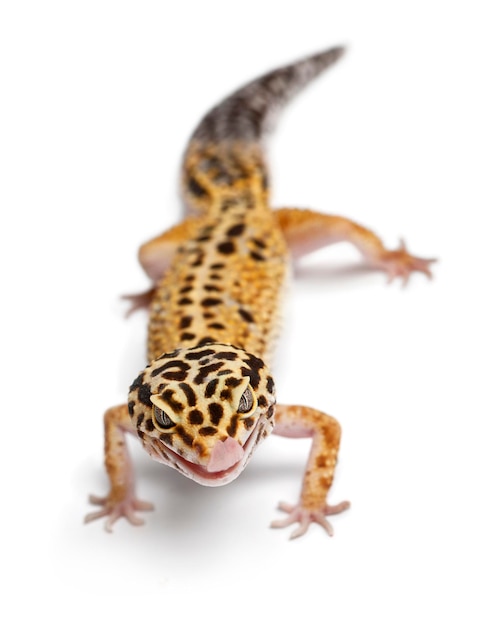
[97, 101]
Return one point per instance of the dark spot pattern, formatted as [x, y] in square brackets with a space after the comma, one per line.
[226, 247]
[256, 256]
[144, 393]
[236, 230]
[208, 431]
[168, 396]
[185, 322]
[207, 302]
[189, 393]
[181, 365]
[205, 371]
[216, 412]
[246, 316]
[149, 425]
[196, 189]
[196, 417]
[211, 387]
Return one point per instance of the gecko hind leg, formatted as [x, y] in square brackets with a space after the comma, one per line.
[155, 257]
[306, 231]
[300, 421]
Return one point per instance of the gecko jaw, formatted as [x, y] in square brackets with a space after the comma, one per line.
[198, 472]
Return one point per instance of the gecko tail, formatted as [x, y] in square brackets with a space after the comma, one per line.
[249, 113]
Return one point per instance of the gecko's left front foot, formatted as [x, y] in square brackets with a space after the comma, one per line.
[304, 517]
[401, 264]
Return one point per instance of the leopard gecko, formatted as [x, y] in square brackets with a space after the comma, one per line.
[207, 397]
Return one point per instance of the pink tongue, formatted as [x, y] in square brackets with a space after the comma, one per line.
[224, 455]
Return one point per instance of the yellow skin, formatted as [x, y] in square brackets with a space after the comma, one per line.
[207, 398]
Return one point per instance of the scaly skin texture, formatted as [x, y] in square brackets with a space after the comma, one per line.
[207, 397]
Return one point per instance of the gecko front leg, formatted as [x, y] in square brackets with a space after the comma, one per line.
[121, 501]
[301, 421]
[306, 231]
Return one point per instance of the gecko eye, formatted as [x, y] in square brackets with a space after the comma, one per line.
[162, 419]
[246, 402]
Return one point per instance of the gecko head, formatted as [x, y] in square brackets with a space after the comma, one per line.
[203, 410]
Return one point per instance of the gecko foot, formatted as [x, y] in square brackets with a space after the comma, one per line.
[115, 510]
[401, 264]
[139, 301]
[304, 517]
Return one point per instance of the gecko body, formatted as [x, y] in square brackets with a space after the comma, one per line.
[207, 396]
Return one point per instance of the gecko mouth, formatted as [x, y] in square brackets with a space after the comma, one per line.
[198, 472]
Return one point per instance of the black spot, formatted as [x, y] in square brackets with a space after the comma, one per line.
[246, 316]
[207, 431]
[139, 421]
[186, 437]
[211, 288]
[233, 382]
[217, 266]
[189, 393]
[226, 247]
[189, 278]
[225, 394]
[205, 371]
[216, 413]
[224, 372]
[149, 425]
[215, 277]
[270, 384]
[256, 256]
[168, 396]
[228, 356]
[186, 289]
[170, 364]
[259, 243]
[195, 356]
[206, 302]
[144, 393]
[185, 322]
[166, 438]
[232, 427]
[203, 238]
[205, 340]
[187, 336]
[196, 189]
[196, 417]
[131, 408]
[137, 382]
[199, 260]
[262, 401]
[179, 375]
[184, 301]
[254, 361]
[253, 375]
[270, 411]
[236, 230]
[248, 422]
[211, 387]
[216, 325]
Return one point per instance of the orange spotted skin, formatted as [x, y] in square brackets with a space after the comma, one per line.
[207, 396]
[225, 282]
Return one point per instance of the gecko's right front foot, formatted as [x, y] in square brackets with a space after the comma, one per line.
[114, 509]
